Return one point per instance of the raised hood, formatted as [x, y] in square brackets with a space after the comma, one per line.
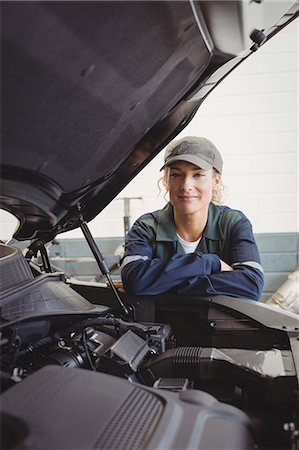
[91, 91]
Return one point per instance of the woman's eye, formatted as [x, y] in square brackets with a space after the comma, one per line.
[198, 175]
[174, 175]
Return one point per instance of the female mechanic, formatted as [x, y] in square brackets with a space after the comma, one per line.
[192, 246]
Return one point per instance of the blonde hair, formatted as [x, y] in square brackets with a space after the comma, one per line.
[217, 195]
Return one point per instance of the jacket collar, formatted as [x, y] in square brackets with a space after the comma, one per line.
[166, 230]
[213, 230]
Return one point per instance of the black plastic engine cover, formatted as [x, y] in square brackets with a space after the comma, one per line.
[60, 408]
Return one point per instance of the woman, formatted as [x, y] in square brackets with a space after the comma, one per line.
[192, 246]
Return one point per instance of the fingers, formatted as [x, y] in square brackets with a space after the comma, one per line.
[118, 284]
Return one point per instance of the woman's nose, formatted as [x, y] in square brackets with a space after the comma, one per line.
[187, 183]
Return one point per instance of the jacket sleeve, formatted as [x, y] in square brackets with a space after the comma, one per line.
[243, 282]
[246, 280]
[142, 274]
[194, 273]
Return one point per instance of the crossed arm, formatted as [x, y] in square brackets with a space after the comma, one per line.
[194, 273]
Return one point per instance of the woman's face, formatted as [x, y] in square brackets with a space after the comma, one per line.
[190, 188]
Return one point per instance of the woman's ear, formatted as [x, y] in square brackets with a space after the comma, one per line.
[217, 181]
[165, 178]
[217, 190]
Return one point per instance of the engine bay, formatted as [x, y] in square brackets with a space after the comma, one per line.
[46, 323]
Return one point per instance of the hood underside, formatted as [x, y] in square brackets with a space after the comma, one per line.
[91, 91]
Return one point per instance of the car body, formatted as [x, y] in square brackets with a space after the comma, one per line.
[91, 92]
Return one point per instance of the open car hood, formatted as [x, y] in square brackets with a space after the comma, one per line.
[91, 91]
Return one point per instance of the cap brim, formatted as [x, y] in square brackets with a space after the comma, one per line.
[190, 159]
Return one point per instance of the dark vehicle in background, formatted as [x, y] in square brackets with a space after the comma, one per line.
[91, 92]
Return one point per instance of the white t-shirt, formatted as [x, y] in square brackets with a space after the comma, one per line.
[189, 247]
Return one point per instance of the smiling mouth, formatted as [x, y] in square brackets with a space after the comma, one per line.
[185, 197]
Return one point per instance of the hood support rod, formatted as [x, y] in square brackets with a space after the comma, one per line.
[102, 264]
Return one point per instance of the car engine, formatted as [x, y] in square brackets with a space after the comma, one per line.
[46, 323]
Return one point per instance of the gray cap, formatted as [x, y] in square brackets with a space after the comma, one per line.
[196, 150]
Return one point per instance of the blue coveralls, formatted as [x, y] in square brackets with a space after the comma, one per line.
[155, 262]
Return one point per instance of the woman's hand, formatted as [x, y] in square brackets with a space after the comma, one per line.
[118, 284]
[225, 267]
